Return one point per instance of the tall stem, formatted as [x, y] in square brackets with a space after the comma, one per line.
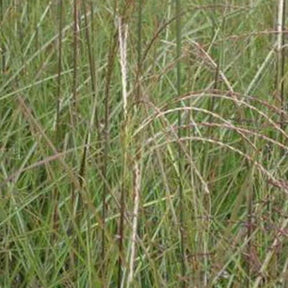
[180, 154]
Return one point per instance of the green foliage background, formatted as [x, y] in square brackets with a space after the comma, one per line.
[204, 143]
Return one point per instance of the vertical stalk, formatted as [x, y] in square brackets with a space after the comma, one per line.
[123, 34]
[94, 95]
[75, 60]
[280, 67]
[250, 224]
[74, 196]
[60, 15]
[135, 215]
[58, 95]
[139, 48]
[91, 64]
[281, 56]
[106, 140]
[136, 168]
[6, 229]
[3, 60]
[180, 155]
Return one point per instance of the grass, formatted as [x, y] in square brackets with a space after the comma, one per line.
[143, 144]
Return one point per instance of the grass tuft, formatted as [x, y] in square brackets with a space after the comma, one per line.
[143, 144]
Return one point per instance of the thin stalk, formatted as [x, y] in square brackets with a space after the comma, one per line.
[2, 45]
[73, 119]
[280, 86]
[281, 56]
[60, 27]
[83, 160]
[74, 92]
[6, 244]
[106, 142]
[180, 155]
[135, 215]
[58, 95]
[121, 220]
[250, 224]
[94, 94]
[91, 63]
[137, 173]
[75, 60]
[207, 163]
[139, 49]
[106, 145]
[123, 35]
[218, 60]
[280, 67]
[94, 116]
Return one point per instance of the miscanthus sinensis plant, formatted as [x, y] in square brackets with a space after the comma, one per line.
[143, 143]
